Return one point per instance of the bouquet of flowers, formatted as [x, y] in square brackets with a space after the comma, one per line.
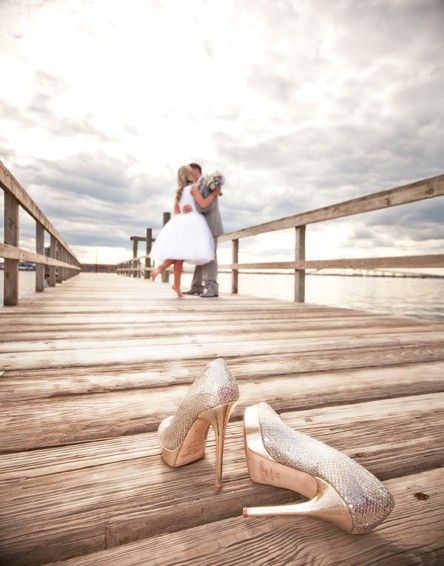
[214, 181]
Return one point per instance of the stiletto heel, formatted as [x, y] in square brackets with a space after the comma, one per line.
[218, 418]
[340, 490]
[209, 402]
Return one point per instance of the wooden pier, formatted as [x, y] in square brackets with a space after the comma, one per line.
[91, 367]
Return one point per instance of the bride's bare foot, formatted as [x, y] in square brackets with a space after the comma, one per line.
[154, 274]
[178, 291]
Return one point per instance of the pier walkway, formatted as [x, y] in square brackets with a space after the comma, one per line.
[90, 367]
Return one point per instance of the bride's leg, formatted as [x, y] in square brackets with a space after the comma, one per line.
[161, 268]
[178, 268]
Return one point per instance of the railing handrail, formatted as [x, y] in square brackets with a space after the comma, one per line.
[11, 185]
[419, 190]
[62, 263]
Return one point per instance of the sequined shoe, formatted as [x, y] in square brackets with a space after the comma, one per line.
[209, 401]
[339, 489]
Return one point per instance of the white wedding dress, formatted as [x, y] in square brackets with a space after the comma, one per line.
[186, 236]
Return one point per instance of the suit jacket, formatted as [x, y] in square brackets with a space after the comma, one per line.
[211, 213]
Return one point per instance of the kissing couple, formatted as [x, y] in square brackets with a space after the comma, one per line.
[191, 234]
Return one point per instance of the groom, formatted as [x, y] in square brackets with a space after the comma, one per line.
[207, 272]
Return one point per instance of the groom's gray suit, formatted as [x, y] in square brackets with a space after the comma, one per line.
[208, 273]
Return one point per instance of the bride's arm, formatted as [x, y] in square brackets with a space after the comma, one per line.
[201, 201]
[176, 204]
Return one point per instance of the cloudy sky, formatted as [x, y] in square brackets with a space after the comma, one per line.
[300, 103]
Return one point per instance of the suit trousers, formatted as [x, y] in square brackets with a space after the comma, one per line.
[206, 274]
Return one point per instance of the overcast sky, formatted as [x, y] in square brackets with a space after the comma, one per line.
[300, 103]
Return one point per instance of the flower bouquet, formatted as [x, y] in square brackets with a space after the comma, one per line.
[214, 181]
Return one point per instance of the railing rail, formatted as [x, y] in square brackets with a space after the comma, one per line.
[419, 190]
[412, 192]
[62, 262]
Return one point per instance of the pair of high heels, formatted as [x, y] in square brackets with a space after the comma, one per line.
[339, 489]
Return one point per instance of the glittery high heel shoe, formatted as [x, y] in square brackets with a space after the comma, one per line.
[340, 490]
[209, 401]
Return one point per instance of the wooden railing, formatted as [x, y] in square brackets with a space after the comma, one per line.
[413, 192]
[420, 190]
[62, 263]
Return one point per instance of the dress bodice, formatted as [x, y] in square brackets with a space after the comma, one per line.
[187, 198]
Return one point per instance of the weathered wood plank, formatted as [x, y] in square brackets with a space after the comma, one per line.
[182, 348]
[307, 340]
[170, 306]
[329, 422]
[101, 506]
[45, 384]
[301, 541]
[226, 330]
[158, 374]
[66, 420]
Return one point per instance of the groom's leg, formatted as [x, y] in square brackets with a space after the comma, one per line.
[211, 273]
[196, 283]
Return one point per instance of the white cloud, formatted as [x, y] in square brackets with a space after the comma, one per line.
[300, 103]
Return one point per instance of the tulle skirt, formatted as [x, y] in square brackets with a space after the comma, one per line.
[187, 237]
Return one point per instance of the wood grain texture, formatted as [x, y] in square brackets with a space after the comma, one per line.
[298, 541]
[141, 350]
[66, 420]
[89, 368]
[131, 499]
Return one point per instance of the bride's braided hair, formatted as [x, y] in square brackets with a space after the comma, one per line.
[184, 178]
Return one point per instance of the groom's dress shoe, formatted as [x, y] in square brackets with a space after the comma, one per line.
[192, 292]
[209, 295]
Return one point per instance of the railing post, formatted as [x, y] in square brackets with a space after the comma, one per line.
[52, 269]
[149, 242]
[235, 272]
[65, 269]
[11, 237]
[299, 274]
[165, 274]
[39, 249]
[59, 252]
[135, 244]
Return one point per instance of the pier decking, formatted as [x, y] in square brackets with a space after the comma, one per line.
[92, 366]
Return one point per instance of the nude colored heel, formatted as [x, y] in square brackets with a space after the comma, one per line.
[193, 447]
[347, 495]
[218, 418]
[183, 436]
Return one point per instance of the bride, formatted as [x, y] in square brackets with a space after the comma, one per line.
[186, 237]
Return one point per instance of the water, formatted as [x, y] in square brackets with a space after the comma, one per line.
[422, 298]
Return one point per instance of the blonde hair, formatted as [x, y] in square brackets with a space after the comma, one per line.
[184, 178]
